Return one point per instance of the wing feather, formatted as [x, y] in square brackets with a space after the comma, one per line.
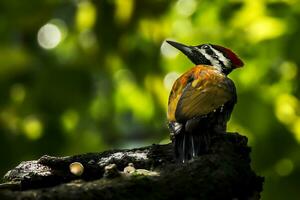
[208, 91]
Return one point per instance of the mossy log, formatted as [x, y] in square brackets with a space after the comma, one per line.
[223, 173]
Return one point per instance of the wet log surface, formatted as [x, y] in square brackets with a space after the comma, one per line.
[223, 173]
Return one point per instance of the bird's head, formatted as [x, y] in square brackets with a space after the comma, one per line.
[217, 56]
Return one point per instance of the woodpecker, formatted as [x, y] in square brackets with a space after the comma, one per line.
[202, 99]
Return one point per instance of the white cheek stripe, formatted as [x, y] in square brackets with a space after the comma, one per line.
[221, 57]
[213, 61]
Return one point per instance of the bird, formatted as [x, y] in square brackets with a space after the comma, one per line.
[201, 99]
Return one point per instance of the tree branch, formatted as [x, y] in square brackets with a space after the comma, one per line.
[223, 173]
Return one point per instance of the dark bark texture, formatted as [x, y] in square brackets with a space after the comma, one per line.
[223, 173]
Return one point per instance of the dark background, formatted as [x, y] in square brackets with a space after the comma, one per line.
[86, 76]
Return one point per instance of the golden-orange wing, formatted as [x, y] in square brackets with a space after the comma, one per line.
[176, 93]
[198, 92]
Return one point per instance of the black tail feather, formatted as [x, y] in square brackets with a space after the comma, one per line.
[188, 145]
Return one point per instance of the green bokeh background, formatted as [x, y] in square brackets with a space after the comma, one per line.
[86, 76]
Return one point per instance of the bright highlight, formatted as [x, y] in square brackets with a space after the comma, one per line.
[49, 36]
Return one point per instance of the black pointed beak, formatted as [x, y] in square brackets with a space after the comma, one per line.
[181, 47]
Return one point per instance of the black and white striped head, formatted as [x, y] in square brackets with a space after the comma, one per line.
[208, 54]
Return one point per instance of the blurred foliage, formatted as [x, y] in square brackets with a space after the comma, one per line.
[79, 76]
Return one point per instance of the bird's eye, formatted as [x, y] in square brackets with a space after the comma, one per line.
[205, 46]
[209, 52]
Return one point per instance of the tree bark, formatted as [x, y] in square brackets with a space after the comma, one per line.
[223, 173]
